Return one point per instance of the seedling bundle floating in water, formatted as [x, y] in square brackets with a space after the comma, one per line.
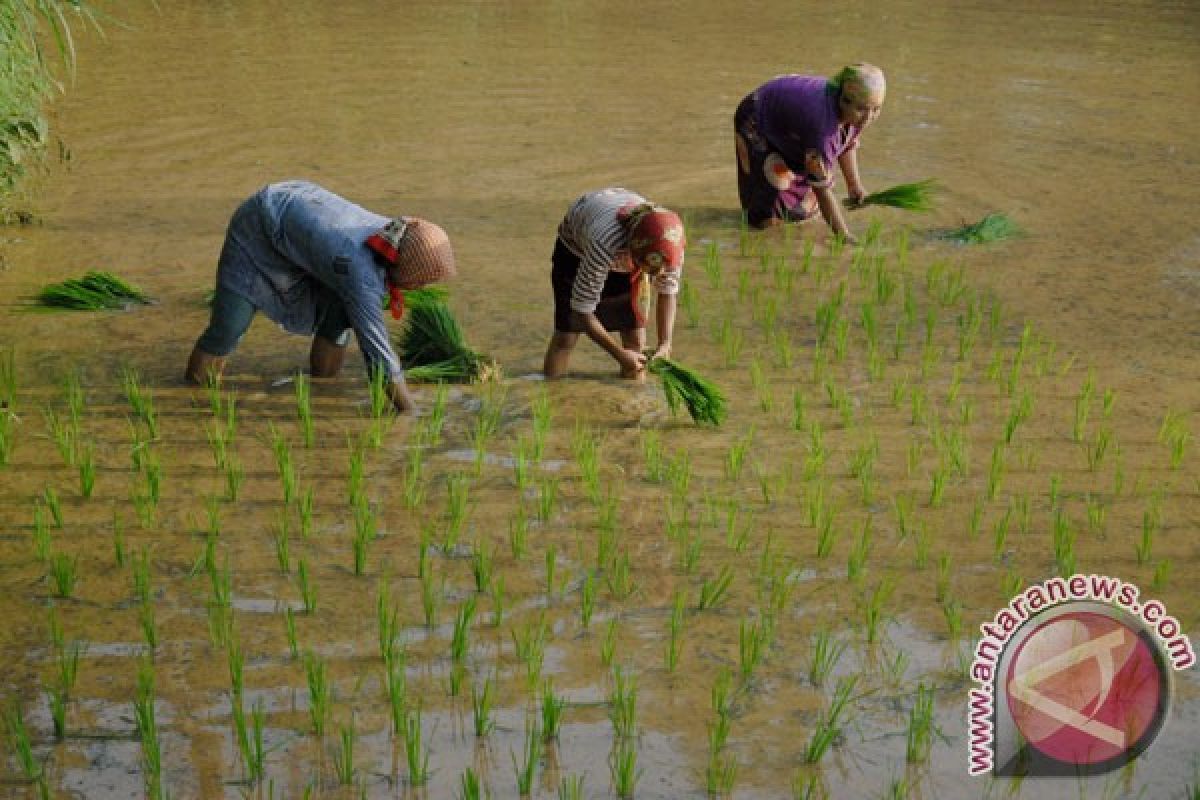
[994, 227]
[908, 196]
[432, 346]
[95, 291]
[703, 399]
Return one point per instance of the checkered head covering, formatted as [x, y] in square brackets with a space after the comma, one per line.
[418, 249]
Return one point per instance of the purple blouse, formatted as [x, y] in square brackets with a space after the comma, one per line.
[798, 113]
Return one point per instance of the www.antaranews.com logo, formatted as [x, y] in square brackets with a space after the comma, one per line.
[1074, 679]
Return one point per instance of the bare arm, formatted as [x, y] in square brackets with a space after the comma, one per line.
[664, 323]
[630, 360]
[848, 161]
[401, 397]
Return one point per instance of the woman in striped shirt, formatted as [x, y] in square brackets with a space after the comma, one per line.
[607, 242]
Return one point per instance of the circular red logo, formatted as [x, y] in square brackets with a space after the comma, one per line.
[1085, 688]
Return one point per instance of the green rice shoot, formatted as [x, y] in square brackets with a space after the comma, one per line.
[681, 385]
[433, 349]
[95, 291]
[994, 227]
[421, 296]
[908, 196]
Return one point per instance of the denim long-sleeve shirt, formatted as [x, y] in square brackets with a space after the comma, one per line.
[295, 250]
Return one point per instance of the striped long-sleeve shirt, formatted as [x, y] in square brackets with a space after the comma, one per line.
[591, 231]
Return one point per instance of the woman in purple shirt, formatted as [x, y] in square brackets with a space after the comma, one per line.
[790, 131]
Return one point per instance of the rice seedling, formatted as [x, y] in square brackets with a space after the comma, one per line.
[250, 739]
[50, 497]
[1162, 571]
[282, 539]
[827, 534]
[994, 227]
[146, 621]
[1150, 526]
[674, 633]
[526, 769]
[303, 389]
[458, 488]
[1096, 513]
[942, 585]
[553, 707]
[41, 533]
[619, 579]
[937, 486]
[1083, 407]
[63, 573]
[58, 711]
[95, 291]
[1064, 544]
[920, 546]
[608, 643]
[683, 386]
[482, 702]
[470, 787]
[547, 498]
[320, 693]
[873, 610]
[996, 471]
[413, 495]
[808, 786]
[431, 598]
[712, 265]
[460, 640]
[713, 591]
[952, 611]
[691, 544]
[762, 387]
[753, 638]
[289, 627]
[529, 644]
[1175, 435]
[307, 589]
[22, 746]
[416, 754]
[857, 559]
[920, 727]
[63, 434]
[551, 568]
[916, 196]
[343, 757]
[395, 679]
[1000, 535]
[147, 727]
[622, 704]
[518, 533]
[234, 477]
[825, 734]
[364, 534]
[570, 787]
[8, 378]
[720, 774]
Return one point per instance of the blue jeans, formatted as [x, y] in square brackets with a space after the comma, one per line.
[232, 314]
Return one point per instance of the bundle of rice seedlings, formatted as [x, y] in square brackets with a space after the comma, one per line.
[994, 227]
[426, 294]
[908, 196]
[703, 399]
[432, 347]
[95, 291]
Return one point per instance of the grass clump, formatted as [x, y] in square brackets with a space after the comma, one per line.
[705, 402]
[434, 350]
[907, 196]
[95, 291]
[994, 227]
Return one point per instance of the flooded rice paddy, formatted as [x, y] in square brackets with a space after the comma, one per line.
[372, 606]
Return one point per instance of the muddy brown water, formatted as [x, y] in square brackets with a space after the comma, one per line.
[490, 118]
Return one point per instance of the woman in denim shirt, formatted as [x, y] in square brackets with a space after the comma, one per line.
[319, 265]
